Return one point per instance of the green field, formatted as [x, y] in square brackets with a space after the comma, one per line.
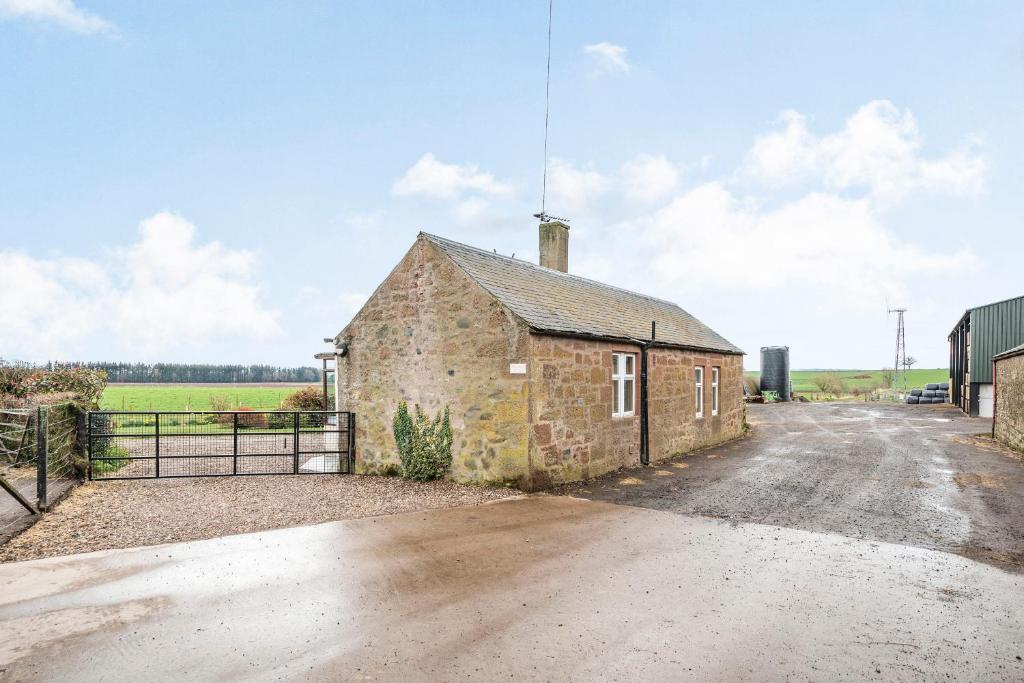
[803, 380]
[194, 396]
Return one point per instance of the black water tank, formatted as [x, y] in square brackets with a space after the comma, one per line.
[775, 371]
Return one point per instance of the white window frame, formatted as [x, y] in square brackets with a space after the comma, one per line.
[619, 378]
[715, 372]
[698, 382]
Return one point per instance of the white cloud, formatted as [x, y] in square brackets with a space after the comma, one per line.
[649, 177]
[61, 12]
[607, 59]
[573, 190]
[820, 241]
[465, 186]
[878, 149]
[811, 267]
[163, 292]
[429, 177]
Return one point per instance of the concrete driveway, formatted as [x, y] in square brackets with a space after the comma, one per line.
[536, 588]
[915, 475]
[540, 588]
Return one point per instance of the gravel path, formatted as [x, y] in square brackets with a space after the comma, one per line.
[914, 475]
[127, 514]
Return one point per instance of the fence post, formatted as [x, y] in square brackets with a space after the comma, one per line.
[88, 440]
[41, 456]
[234, 450]
[156, 432]
[295, 445]
[351, 443]
[81, 435]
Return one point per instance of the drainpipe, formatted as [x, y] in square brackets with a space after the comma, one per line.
[645, 453]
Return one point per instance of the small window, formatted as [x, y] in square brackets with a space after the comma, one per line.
[714, 391]
[698, 374]
[623, 383]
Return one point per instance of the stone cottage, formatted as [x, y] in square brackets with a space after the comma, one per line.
[549, 377]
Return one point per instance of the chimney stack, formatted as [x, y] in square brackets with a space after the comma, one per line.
[554, 245]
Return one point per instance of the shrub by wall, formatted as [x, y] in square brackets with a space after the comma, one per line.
[424, 445]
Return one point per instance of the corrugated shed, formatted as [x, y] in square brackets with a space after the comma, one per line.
[994, 329]
[556, 302]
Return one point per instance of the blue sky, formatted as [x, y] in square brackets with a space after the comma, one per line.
[228, 181]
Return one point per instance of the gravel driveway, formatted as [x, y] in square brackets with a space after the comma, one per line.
[127, 514]
[914, 475]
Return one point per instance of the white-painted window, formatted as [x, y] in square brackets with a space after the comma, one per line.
[623, 384]
[714, 391]
[698, 376]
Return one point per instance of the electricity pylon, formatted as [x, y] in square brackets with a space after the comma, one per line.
[901, 352]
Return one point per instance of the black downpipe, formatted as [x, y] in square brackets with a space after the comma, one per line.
[645, 453]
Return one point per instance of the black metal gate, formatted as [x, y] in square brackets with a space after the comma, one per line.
[150, 445]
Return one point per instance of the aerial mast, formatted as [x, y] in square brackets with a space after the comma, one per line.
[543, 215]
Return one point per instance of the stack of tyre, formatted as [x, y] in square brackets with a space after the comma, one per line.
[932, 393]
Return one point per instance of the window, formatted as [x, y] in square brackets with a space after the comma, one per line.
[714, 391]
[698, 374]
[623, 381]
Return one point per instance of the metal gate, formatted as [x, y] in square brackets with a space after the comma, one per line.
[150, 445]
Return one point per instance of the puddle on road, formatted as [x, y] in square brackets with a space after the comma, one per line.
[680, 465]
[631, 481]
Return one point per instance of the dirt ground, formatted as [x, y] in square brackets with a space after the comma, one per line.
[914, 475]
[128, 514]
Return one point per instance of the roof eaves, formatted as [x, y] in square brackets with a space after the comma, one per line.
[734, 351]
[1010, 353]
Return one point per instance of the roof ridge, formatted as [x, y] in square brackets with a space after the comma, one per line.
[494, 254]
[996, 303]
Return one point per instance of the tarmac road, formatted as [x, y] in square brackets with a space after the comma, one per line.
[915, 475]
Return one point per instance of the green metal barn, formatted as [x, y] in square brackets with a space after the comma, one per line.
[982, 332]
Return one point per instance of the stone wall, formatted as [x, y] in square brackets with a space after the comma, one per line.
[430, 335]
[674, 425]
[1009, 422]
[574, 435]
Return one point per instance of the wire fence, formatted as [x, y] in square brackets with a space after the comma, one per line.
[41, 455]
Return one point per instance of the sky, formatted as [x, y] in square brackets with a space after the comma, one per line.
[228, 181]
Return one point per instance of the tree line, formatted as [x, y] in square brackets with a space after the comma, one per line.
[185, 373]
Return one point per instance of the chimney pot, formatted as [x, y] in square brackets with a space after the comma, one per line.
[554, 245]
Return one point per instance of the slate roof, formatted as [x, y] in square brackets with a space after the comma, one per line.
[556, 302]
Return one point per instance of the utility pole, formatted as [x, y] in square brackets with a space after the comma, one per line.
[901, 353]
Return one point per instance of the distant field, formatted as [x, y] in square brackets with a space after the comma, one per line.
[803, 380]
[194, 396]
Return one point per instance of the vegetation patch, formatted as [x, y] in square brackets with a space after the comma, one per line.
[424, 445]
[197, 397]
[850, 383]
